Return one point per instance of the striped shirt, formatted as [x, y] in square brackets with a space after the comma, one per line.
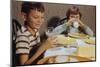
[25, 41]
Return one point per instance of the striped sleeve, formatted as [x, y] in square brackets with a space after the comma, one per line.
[34, 40]
[22, 44]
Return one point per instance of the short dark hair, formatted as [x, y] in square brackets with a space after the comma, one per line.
[73, 10]
[27, 6]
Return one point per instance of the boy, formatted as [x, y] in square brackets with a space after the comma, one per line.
[73, 14]
[28, 46]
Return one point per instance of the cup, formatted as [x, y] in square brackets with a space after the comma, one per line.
[75, 24]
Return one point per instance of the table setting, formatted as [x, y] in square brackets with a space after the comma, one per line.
[75, 47]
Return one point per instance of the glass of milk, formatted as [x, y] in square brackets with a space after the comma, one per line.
[75, 24]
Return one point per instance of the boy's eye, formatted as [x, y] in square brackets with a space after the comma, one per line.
[72, 16]
[35, 17]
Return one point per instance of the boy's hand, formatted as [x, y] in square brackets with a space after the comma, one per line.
[51, 41]
[81, 23]
[70, 22]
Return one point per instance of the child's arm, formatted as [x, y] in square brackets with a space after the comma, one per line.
[59, 29]
[44, 46]
[86, 29]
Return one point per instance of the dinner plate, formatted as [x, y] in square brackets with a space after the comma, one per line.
[59, 51]
[78, 35]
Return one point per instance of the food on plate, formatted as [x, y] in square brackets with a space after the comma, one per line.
[65, 40]
[87, 51]
[90, 41]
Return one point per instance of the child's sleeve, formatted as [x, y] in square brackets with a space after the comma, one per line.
[22, 44]
[88, 30]
[60, 29]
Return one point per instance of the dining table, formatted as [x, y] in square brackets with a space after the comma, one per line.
[76, 47]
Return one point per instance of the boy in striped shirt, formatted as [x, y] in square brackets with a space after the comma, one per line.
[28, 38]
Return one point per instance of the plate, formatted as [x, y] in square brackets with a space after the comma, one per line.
[78, 35]
[59, 51]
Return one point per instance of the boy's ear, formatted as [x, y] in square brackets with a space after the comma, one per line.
[23, 15]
